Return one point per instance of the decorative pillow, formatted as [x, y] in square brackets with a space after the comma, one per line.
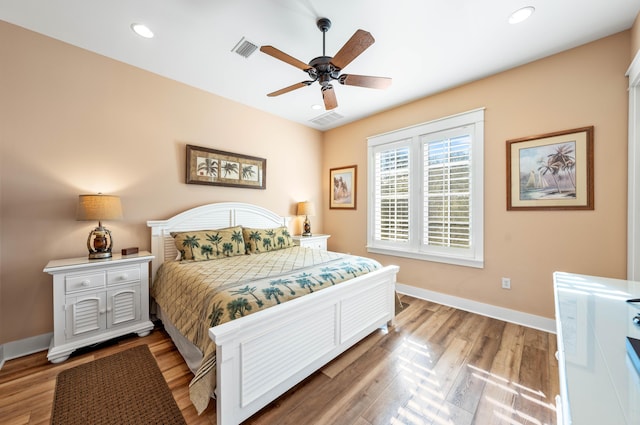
[263, 240]
[210, 244]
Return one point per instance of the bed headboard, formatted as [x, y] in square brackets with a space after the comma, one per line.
[211, 216]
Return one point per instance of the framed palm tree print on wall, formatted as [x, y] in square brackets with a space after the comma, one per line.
[219, 168]
[552, 171]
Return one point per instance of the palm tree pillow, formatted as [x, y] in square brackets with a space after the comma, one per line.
[209, 244]
[265, 240]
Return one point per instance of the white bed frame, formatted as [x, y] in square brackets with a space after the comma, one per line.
[261, 356]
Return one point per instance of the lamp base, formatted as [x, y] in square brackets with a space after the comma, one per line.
[307, 227]
[99, 243]
[99, 255]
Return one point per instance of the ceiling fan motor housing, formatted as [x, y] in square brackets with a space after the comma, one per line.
[323, 70]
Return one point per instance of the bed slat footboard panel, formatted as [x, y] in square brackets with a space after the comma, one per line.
[362, 311]
[270, 359]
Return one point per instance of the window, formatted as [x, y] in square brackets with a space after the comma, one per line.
[426, 191]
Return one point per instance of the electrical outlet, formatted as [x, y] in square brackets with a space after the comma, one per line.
[506, 283]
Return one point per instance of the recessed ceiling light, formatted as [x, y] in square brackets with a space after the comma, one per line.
[142, 30]
[316, 106]
[521, 14]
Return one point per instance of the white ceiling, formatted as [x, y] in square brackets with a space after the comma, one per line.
[425, 46]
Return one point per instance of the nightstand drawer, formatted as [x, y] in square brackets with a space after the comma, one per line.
[314, 242]
[117, 276]
[75, 283]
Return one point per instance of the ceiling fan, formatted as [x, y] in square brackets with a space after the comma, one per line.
[325, 69]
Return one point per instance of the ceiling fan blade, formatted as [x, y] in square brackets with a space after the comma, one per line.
[279, 54]
[290, 88]
[358, 43]
[365, 81]
[329, 97]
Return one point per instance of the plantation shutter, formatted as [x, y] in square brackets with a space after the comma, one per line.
[447, 186]
[391, 222]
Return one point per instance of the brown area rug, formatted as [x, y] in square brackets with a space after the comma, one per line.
[123, 388]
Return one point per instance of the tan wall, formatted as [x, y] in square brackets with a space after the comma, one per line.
[635, 37]
[75, 122]
[581, 87]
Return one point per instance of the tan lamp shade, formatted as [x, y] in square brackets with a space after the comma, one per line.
[99, 207]
[306, 208]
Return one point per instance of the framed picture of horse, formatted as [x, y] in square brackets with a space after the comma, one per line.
[343, 183]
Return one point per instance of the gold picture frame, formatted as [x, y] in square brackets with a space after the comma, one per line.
[552, 171]
[343, 183]
[219, 168]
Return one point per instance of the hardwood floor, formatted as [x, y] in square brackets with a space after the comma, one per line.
[437, 365]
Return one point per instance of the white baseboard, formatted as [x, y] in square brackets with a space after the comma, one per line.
[24, 347]
[501, 313]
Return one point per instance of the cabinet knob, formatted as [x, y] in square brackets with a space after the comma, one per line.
[85, 283]
[124, 276]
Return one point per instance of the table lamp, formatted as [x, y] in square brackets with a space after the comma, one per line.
[306, 209]
[99, 207]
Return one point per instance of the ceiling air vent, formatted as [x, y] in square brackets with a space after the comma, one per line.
[244, 48]
[326, 119]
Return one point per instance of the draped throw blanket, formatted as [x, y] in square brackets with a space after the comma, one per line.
[197, 295]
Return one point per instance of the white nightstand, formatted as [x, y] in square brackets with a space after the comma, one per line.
[96, 300]
[315, 241]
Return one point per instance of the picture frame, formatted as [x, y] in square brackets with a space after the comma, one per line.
[220, 168]
[343, 183]
[552, 171]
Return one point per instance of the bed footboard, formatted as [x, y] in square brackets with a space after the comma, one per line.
[263, 355]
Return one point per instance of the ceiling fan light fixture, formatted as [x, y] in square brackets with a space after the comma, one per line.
[142, 30]
[521, 14]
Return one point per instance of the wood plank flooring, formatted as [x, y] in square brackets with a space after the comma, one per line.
[437, 365]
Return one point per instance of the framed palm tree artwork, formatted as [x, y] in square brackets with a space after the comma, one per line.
[553, 171]
[219, 168]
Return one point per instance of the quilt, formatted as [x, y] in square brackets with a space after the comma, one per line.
[197, 295]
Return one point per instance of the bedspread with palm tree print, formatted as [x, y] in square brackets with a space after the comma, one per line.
[197, 295]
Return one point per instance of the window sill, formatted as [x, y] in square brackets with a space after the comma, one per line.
[458, 261]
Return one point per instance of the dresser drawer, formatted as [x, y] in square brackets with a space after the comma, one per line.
[75, 283]
[124, 275]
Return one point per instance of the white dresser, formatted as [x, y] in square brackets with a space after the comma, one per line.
[598, 383]
[96, 300]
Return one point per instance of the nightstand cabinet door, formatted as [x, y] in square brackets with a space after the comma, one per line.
[123, 306]
[84, 315]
